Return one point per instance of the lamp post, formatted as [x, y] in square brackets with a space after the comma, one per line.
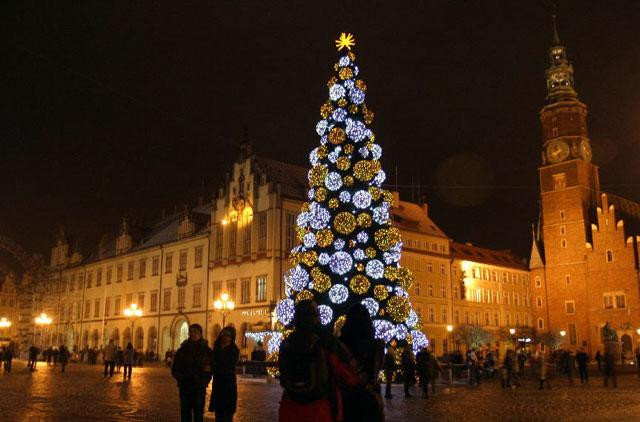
[224, 305]
[132, 312]
[42, 320]
[450, 334]
[512, 332]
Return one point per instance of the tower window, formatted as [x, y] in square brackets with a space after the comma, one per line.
[539, 301]
[561, 214]
[563, 243]
[563, 230]
[559, 181]
[538, 282]
[554, 132]
[609, 255]
[540, 323]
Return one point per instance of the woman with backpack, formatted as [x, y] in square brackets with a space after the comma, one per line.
[363, 402]
[312, 362]
[224, 392]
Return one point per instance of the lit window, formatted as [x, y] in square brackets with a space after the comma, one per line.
[261, 288]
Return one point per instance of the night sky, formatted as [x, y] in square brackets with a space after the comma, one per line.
[110, 112]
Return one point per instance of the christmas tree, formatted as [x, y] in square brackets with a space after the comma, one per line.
[349, 252]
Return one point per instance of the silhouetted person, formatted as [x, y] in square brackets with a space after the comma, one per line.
[224, 391]
[259, 355]
[63, 357]
[109, 358]
[192, 369]
[582, 359]
[389, 366]
[362, 402]
[599, 360]
[7, 357]
[33, 357]
[408, 370]
[609, 369]
[127, 360]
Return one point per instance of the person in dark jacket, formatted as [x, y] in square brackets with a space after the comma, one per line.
[422, 364]
[224, 392]
[7, 357]
[408, 370]
[192, 369]
[33, 357]
[63, 357]
[389, 366]
[363, 402]
[599, 360]
[582, 359]
[128, 357]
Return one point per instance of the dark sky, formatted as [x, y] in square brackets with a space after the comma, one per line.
[108, 111]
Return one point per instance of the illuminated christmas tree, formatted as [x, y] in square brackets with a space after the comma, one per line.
[349, 252]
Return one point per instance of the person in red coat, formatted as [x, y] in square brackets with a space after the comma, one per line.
[312, 364]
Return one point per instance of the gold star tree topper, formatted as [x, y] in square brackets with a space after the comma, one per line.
[345, 40]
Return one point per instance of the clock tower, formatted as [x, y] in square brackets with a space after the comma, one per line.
[569, 192]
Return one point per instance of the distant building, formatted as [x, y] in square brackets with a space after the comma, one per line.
[584, 256]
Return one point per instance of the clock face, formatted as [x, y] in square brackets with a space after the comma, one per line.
[557, 151]
[585, 151]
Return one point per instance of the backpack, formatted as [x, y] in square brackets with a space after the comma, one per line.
[305, 370]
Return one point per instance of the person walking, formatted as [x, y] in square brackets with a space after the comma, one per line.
[541, 369]
[119, 358]
[109, 358]
[127, 360]
[408, 369]
[433, 371]
[522, 358]
[258, 356]
[311, 362]
[582, 359]
[33, 357]
[422, 364]
[63, 357]
[363, 402]
[513, 380]
[389, 367]
[599, 360]
[192, 370]
[7, 357]
[570, 363]
[224, 390]
[609, 360]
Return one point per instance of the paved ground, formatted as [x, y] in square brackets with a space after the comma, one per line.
[81, 394]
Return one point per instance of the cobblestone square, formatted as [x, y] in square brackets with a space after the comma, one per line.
[82, 394]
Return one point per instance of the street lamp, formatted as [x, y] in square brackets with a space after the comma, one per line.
[132, 312]
[41, 321]
[224, 305]
[563, 333]
[5, 323]
[638, 331]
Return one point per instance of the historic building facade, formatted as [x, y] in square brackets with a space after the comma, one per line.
[8, 308]
[584, 257]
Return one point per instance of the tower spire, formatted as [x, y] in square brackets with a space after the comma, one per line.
[556, 38]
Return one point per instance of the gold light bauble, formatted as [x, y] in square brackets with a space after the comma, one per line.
[368, 115]
[309, 258]
[359, 284]
[336, 135]
[352, 243]
[317, 175]
[332, 81]
[345, 73]
[321, 281]
[391, 273]
[364, 219]
[351, 55]
[380, 292]
[398, 308]
[405, 278]
[371, 252]
[326, 109]
[334, 203]
[300, 232]
[361, 85]
[342, 102]
[321, 194]
[336, 66]
[304, 207]
[375, 192]
[343, 163]
[360, 266]
[364, 170]
[387, 196]
[348, 148]
[386, 238]
[304, 295]
[348, 180]
[294, 258]
[344, 222]
[322, 151]
[353, 109]
[324, 237]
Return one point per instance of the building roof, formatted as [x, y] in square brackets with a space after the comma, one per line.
[161, 232]
[628, 211]
[291, 178]
[412, 217]
[469, 252]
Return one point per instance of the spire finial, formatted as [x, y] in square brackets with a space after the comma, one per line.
[556, 38]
